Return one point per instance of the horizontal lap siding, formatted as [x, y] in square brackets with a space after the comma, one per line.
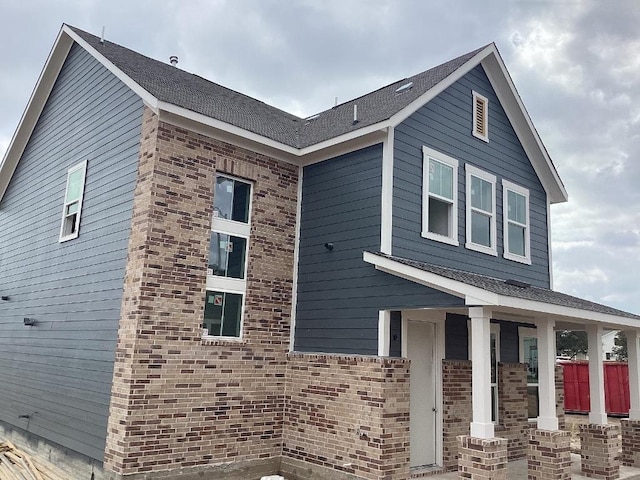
[59, 372]
[339, 295]
[444, 124]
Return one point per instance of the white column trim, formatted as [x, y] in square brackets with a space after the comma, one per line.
[296, 260]
[547, 419]
[481, 425]
[633, 350]
[386, 222]
[597, 414]
[384, 332]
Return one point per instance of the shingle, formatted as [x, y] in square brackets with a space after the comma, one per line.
[175, 86]
[502, 287]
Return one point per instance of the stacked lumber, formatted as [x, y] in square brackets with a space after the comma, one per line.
[17, 465]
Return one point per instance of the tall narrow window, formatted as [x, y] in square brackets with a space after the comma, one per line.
[440, 197]
[228, 251]
[480, 117]
[529, 355]
[481, 210]
[72, 207]
[494, 339]
[515, 204]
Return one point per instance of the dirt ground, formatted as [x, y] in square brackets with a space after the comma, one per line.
[574, 421]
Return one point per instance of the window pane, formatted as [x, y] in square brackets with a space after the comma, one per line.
[222, 313]
[494, 403]
[530, 345]
[223, 198]
[241, 193]
[516, 239]
[516, 205]
[532, 396]
[227, 255]
[74, 185]
[440, 179]
[72, 208]
[481, 194]
[494, 359]
[439, 217]
[480, 229]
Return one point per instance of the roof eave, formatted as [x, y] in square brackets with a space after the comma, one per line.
[34, 108]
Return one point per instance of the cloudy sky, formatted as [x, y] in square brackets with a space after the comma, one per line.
[576, 65]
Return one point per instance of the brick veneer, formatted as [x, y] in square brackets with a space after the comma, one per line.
[178, 401]
[482, 459]
[630, 442]
[560, 397]
[549, 455]
[349, 414]
[600, 451]
[513, 422]
[456, 408]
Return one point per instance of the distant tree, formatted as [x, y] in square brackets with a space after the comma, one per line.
[620, 347]
[570, 343]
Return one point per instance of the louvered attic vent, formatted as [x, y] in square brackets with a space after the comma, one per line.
[480, 117]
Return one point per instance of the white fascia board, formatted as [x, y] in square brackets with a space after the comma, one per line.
[361, 132]
[436, 90]
[472, 295]
[37, 101]
[372, 137]
[513, 106]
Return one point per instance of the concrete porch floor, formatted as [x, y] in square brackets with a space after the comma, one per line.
[517, 470]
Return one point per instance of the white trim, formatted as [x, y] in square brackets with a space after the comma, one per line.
[597, 411]
[633, 349]
[549, 244]
[471, 171]
[494, 328]
[80, 166]
[427, 155]
[384, 332]
[527, 332]
[547, 416]
[386, 222]
[439, 354]
[296, 261]
[404, 322]
[474, 131]
[506, 187]
[481, 423]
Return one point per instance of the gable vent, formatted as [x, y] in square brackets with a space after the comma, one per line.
[404, 88]
[480, 117]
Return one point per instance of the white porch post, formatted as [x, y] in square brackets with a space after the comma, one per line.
[597, 413]
[633, 350]
[481, 425]
[384, 332]
[548, 419]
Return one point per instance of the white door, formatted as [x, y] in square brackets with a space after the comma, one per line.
[420, 350]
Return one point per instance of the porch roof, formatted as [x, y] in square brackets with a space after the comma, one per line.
[509, 295]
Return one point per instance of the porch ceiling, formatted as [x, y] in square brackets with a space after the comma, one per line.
[505, 296]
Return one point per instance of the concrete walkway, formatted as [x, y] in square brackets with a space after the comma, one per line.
[517, 470]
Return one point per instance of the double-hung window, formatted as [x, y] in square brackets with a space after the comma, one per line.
[72, 208]
[440, 197]
[481, 210]
[228, 252]
[515, 204]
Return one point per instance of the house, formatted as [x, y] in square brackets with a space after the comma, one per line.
[196, 283]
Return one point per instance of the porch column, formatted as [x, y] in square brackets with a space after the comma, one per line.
[547, 419]
[631, 426]
[481, 424]
[597, 412]
[384, 332]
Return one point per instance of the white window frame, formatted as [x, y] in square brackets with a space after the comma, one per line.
[225, 284]
[525, 332]
[484, 137]
[80, 166]
[428, 153]
[506, 187]
[472, 171]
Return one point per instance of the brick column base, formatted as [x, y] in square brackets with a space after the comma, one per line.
[630, 442]
[599, 451]
[549, 455]
[482, 458]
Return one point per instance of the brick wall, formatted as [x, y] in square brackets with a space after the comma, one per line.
[513, 421]
[560, 397]
[600, 451]
[348, 414]
[178, 401]
[456, 407]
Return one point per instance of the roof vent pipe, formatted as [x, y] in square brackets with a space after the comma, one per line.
[173, 60]
[102, 36]
[355, 113]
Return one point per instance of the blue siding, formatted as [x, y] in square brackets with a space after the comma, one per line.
[339, 295]
[60, 371]
[444, 124]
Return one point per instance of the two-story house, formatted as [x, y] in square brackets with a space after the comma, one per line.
[196, 283]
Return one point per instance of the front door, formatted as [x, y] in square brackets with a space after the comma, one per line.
[421, 352]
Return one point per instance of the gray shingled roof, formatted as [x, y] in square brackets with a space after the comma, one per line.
[501, 287]
[175, 86]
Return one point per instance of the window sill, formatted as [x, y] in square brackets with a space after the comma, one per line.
[517, 258]
[440, 238]
[481, 249]
[211, 340]
[67, 238]
[481, 137]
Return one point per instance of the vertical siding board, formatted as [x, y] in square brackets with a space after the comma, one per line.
[62, 368]
[444, 124]
[339, 295]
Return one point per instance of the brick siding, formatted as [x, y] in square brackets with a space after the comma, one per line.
[513, 422]
[549, 455]
[600, 451]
